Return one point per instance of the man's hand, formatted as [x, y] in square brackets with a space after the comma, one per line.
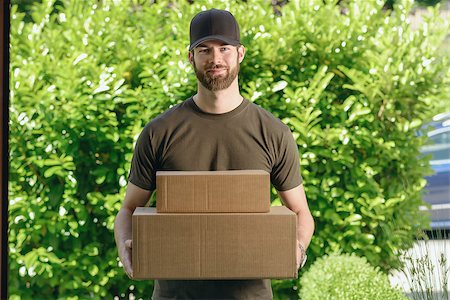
[125, 257]
[301, 255]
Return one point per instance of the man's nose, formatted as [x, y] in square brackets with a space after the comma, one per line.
[216, 55]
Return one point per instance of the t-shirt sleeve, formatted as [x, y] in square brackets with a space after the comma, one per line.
[143, 164]
[285, 173]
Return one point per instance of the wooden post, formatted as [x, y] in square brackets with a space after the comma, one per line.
[4, 133]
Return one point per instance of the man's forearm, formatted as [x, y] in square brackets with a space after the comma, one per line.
[122, 226]
[295, 200]
[305, 228]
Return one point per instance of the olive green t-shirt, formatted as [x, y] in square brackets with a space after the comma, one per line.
[184, 138]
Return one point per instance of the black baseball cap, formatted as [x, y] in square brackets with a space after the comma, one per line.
[214, 24]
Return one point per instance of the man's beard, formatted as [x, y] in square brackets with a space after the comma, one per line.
[217, 83]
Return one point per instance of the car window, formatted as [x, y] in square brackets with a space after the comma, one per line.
[442, 138]
[439, 146]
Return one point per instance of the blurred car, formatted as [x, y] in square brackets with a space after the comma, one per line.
[438, 185]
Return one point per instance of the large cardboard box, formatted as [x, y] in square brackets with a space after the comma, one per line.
[212, 191]
[214, 245]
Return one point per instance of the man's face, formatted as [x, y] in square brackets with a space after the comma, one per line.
[216, 64]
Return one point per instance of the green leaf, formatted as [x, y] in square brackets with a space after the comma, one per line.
[93, 270]
[52, 171]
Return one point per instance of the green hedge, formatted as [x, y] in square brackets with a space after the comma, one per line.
[349, 277]
[85, 79]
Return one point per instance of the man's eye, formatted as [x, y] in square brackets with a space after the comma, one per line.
[203, 50]
[224, 49]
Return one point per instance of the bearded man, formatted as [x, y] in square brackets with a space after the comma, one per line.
[215, 129]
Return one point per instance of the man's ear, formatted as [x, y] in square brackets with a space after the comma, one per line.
[191, 57]
[241, 53]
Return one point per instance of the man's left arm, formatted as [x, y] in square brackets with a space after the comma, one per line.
[295, 200]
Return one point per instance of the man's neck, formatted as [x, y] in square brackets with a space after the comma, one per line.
[218, 102]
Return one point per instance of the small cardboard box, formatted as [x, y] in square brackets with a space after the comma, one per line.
[212, 191]
[214, 245]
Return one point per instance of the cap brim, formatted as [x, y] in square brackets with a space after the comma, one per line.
[214, 37]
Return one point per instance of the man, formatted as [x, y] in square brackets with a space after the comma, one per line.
[216, 129]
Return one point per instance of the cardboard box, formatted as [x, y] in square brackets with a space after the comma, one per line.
[212, 191]
[214, 246]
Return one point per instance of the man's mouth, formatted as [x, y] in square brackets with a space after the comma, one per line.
[216, 70]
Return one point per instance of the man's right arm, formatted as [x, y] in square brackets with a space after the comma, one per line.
[134, 197]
